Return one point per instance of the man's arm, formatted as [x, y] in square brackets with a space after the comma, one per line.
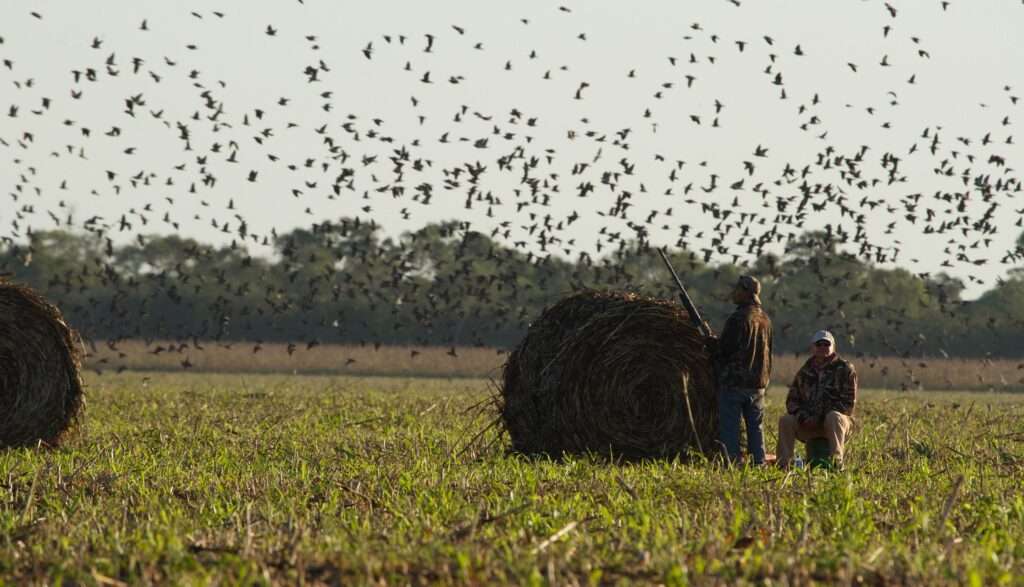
[795, 403]
[713, 343]
[731, 340]
[793, 397]
[847, 392]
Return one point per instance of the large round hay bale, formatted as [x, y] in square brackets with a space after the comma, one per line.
[610, 373]
[40, 385]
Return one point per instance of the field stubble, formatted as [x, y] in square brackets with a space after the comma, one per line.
[189, 478]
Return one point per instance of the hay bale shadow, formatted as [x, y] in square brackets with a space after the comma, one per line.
[41, 391]
[610, 373]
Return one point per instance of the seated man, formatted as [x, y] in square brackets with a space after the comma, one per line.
[820, 401]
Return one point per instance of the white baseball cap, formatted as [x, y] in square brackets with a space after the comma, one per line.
[823, 335]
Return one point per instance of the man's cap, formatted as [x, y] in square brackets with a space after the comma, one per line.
[749, 283]
[823, 335]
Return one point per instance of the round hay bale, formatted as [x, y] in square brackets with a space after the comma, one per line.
[40, 385]
[610, 373]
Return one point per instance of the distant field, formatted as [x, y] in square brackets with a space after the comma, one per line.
[185, 478]
[242, 357]
[249, 357]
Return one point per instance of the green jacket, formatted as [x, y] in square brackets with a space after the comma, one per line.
[818, 390]
[743, 353]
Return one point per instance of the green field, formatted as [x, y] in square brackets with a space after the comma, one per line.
[231, 479]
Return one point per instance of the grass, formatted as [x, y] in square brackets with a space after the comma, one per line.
[269, 479]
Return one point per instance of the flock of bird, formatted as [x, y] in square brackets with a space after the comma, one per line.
[864, 198]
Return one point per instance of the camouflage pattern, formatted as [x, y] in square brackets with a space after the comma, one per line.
[743, 353]
[816, 391]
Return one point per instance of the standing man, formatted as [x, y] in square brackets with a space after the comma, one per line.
[820, 401]
[742, 358]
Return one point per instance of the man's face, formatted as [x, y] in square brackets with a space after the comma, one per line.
[821, 349]
[739, 295]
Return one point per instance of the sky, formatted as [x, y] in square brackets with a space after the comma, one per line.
[232, 84]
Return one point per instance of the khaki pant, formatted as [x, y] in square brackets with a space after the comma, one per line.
[835, 429]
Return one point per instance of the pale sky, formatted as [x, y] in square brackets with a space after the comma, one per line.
[974, 50]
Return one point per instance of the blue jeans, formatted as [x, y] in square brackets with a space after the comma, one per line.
[748, 403]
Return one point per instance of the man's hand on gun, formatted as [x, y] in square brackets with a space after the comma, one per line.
[710, 340]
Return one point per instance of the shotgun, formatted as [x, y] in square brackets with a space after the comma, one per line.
[685, 298]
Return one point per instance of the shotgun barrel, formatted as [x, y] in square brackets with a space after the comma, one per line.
[684, 297]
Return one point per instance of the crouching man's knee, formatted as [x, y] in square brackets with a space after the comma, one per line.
[788, 422]
[837, 421]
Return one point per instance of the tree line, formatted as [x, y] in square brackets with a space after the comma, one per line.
[444, 284]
